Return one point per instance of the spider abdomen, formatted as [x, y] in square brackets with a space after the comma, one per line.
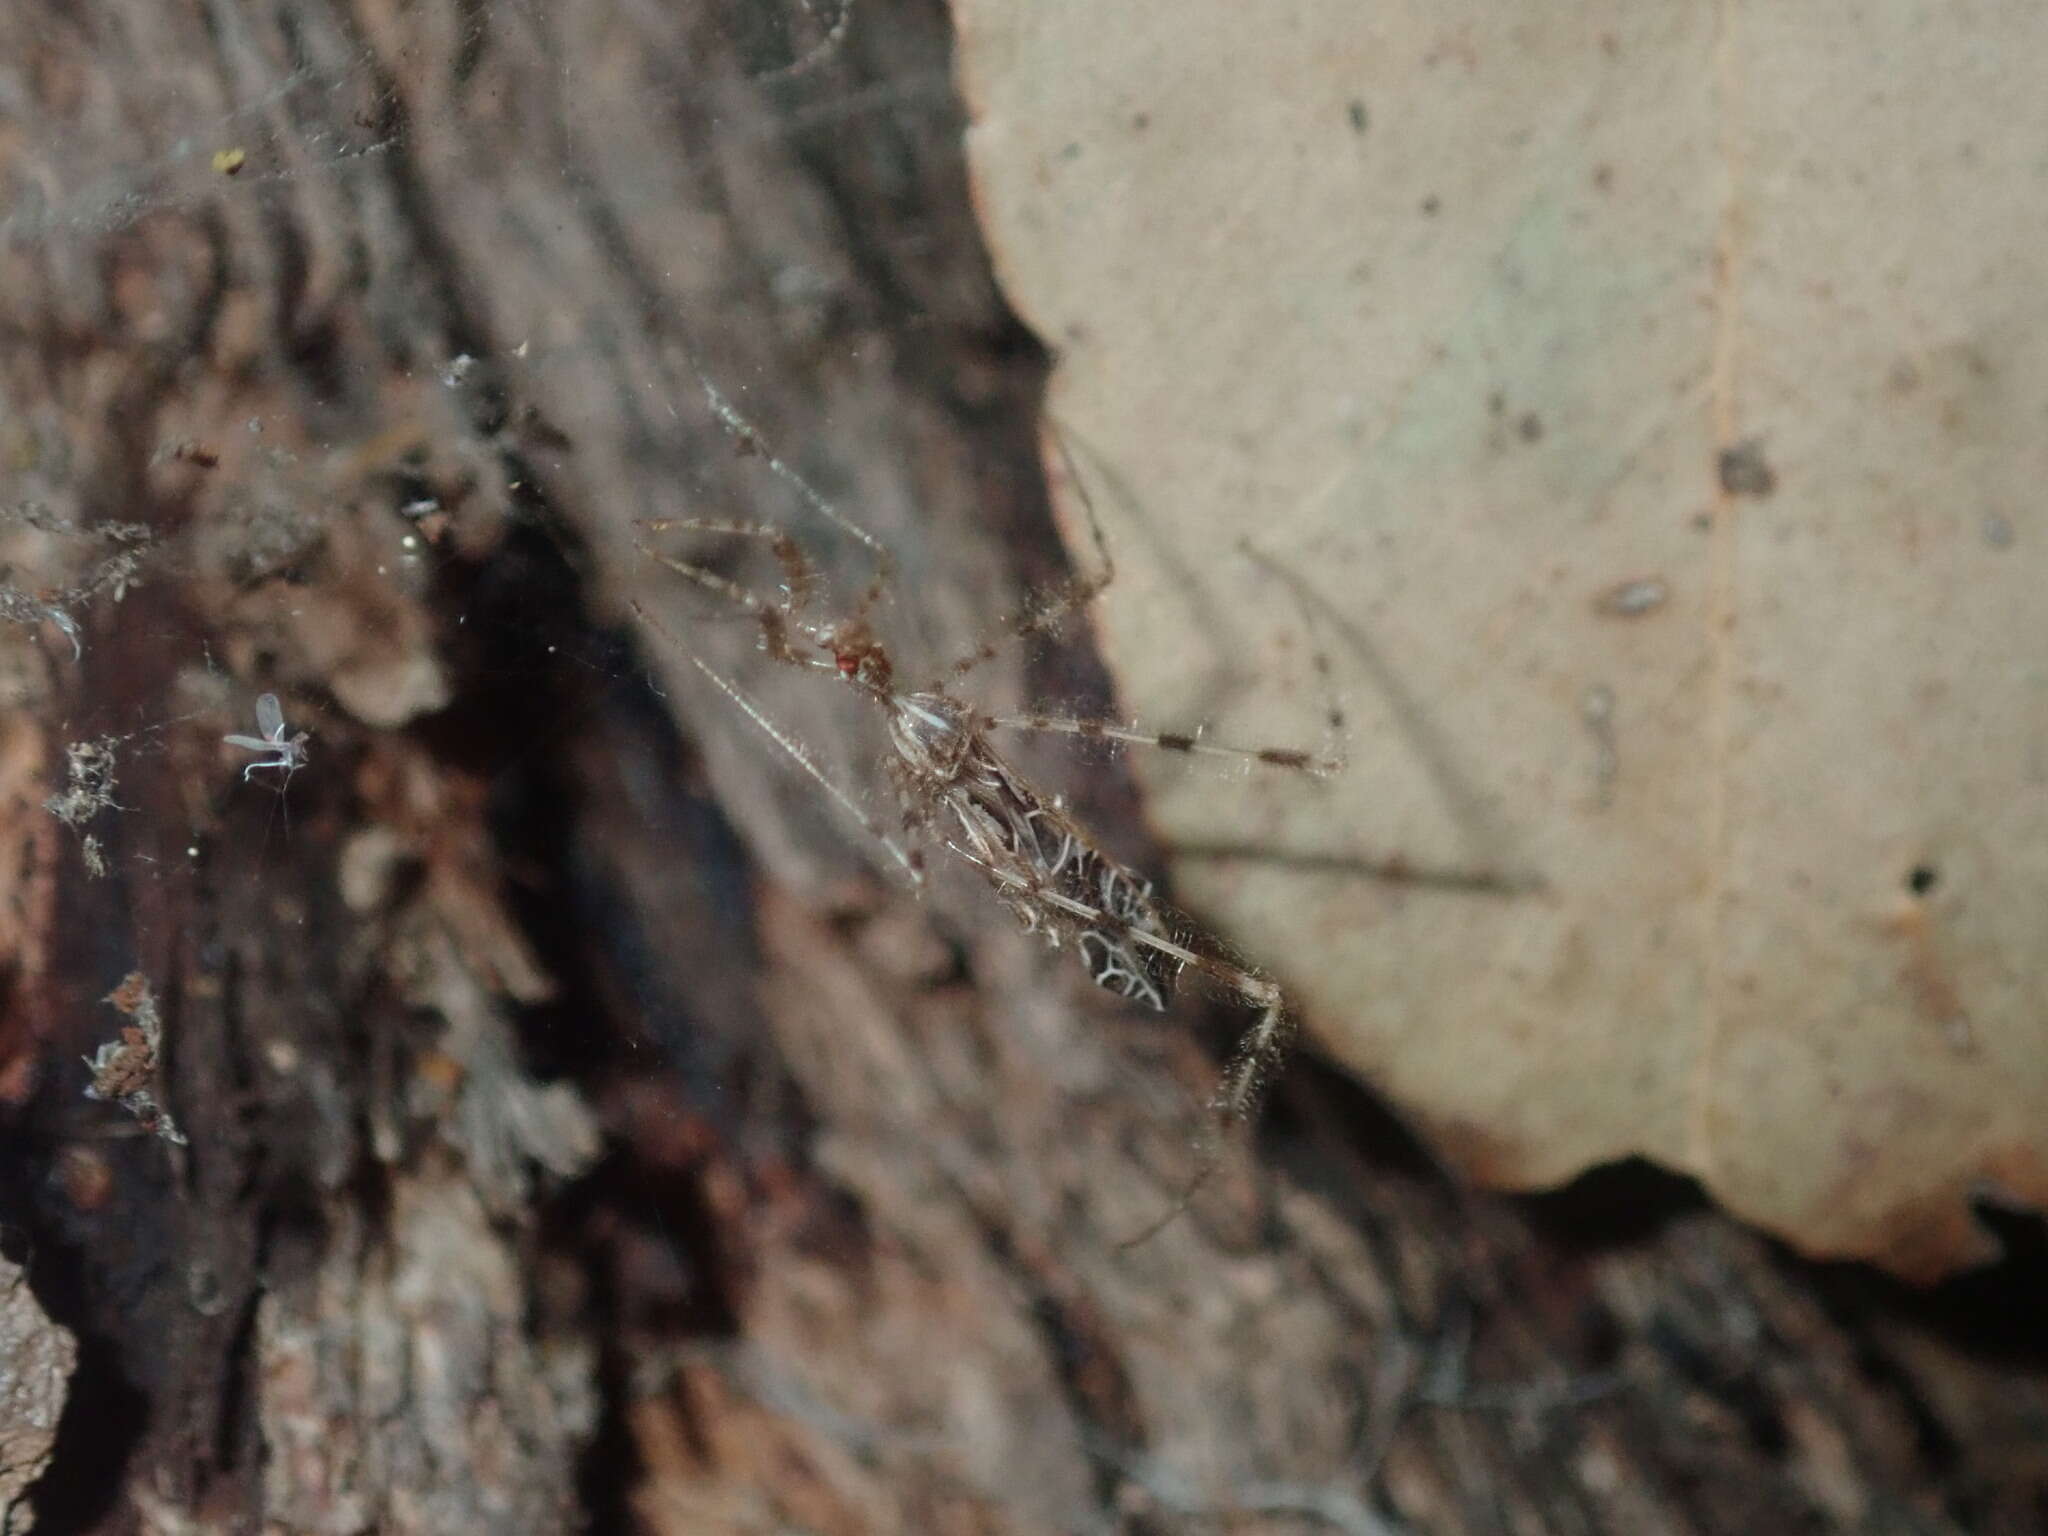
[1055, 880]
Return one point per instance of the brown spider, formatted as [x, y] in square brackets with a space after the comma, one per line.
[960, 793]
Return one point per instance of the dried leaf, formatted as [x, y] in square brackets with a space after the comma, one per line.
[1477, 317]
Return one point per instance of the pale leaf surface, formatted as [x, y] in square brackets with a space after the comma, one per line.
[1658, 398]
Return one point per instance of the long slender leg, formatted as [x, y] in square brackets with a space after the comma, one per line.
[1166, 741]
[1107, 564]
[750, 440]
[1336, 728]
[777, 620]
[799, 576]
[1239, 1091]
[907, 859]
[1045, 616]
[1331, 760]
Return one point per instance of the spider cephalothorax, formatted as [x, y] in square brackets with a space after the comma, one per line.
[858, 655]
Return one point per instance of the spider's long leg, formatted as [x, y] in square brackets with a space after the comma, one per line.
[749, 437]
[799, 576]
[1095, 533]
[776, 619]
[1337, 730]
[1167, 741]
[1240, 1090]
[1046, 616]
[907, 860]
[1331, 760]
[1041, 618]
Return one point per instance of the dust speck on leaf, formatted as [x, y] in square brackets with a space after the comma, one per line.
[1634, 597]
[1744, 470]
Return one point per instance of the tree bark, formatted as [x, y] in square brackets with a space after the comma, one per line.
[579, 1124]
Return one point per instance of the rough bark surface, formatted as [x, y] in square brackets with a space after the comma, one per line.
[578, 1126]
[36, 1360]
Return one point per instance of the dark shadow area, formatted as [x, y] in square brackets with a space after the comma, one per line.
[1997, 1312]
[105, 1413]
[1615, 1205]
[105, 1416]
[592, 796]
[1322, 1118]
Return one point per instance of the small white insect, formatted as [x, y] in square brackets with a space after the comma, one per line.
[280, 751]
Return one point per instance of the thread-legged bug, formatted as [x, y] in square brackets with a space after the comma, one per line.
[959, 793]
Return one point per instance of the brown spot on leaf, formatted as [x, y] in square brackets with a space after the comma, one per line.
[1745, 472]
